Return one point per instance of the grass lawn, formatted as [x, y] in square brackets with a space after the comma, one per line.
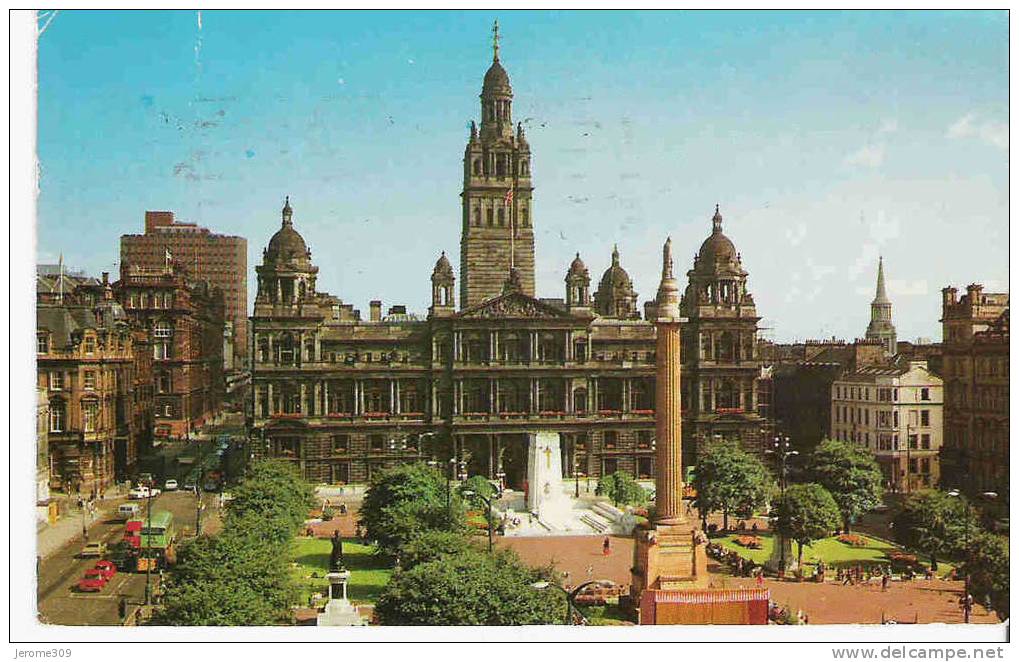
[829, 550]
[758, 556]
[368, 574]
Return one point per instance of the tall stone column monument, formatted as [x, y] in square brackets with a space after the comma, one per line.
[670, 583]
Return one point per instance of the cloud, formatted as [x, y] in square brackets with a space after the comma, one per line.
[908, 288]
[990, 132]
[888, 125]
[868, 156]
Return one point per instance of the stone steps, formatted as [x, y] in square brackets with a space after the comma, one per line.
[595, 522]
[607, 511]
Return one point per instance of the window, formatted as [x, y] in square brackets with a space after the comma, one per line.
[168, 410]
[165, 382]
[912, 441]
[56, 381]
[925, 418]
[162, 330]
[610, 439]
[90, 380]
[161, 350]
[90, 415]
[42, 344]
[925, 442]
[490, 214]
[502, 217]
[376, 442]
[58, 412]
[90, 345]
[925, 394]
[341, 443]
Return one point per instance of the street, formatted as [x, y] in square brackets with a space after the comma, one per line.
[58, 600]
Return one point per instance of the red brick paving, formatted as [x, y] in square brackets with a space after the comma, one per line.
[927, 601]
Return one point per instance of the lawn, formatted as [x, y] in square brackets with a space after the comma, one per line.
[368, 574]
[829, 550]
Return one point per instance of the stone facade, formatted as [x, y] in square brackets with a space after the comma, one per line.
[975, 368]
[181, 323]
[344, 397]
[897, 414]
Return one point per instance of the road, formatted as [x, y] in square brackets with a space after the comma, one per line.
[59, 602]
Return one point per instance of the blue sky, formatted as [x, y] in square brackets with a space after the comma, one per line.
[828, 138]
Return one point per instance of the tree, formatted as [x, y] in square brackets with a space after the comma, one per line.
[622, 489]
[432, 545]
[404, 501]
[479, 485]
[470, 588]
[986, 563]
[850, 474]
[807, 512]
[273, 489]
[934, 523]
[730, 480]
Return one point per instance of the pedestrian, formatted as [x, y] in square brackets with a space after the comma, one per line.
[806, 619]
[739, 567]
[884, 582]
[606, 546]
[760, 578]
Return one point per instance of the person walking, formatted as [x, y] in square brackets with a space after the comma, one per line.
[760, 578]
[606, 547]
[884, 582]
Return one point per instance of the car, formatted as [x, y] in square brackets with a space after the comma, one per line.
[171, 485]
[128, 510]
[139, 493]
[93, 581]
[190, 485]
[107, 568]
[93, 550]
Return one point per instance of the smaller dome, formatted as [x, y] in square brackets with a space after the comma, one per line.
[442, 266]
[577, 267]
[615, 277]
[286, 244]
[496, 80]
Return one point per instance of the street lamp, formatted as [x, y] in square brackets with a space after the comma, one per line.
[780, 448]
[147, 550]
[571, 596]
[488, 504]
[967, 599]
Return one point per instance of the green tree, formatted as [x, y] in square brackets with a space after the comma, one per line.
[404, 501]
[470, 588]
[432, 545]
[479, 485]
[851, 474]
[934, 523]
[273, 489]
[807, 512]
[986, 563]
[622, 489]
[730, 480]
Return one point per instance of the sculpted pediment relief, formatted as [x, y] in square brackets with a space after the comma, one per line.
[513, 306]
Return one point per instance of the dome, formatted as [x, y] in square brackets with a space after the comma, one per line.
[615, 277]
[577, 267]
[286, 244]
[442, 266]
[717, 247]
[496, 80]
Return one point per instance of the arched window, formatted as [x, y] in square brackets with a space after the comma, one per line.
[477, 166]
[502, 217]
[90, 415]
[580, 400]
[287, 349]
[523, 167]
[500, 165]
[523, 217]
[726, 347]
[491, 217]
[477, 216]
[263, 349]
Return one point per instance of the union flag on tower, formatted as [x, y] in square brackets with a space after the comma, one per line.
[508, 199]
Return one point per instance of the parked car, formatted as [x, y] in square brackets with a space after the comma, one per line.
[93, 550]
[171, 485]
[128, 510]
[142, 492]
[107, 568]
[145, 479]
[92, 581]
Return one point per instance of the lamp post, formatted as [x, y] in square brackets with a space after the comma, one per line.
[571, 596]
[147, 549]
[488, 504]
[780, 448]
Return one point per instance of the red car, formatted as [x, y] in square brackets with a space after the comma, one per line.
[107, 568]
[92, 581]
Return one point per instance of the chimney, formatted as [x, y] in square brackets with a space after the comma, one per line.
[375, 311]
[106, 278]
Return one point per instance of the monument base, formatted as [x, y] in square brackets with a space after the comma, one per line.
[670, 584]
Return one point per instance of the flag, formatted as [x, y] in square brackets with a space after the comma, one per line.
[508, 199]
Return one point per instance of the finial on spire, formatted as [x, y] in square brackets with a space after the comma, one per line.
[615, 255]
[288, 213]
[716, 220]
[880, 295]
[495, 41]
[667, 300]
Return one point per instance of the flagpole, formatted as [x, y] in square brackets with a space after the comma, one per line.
[60, 279]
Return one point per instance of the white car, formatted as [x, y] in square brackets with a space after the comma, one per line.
[171, 485]
[142, 492]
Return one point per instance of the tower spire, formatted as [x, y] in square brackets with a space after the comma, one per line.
[880, 296]
[668, 291]
[716, 221]
[495, 41]
[288, 212]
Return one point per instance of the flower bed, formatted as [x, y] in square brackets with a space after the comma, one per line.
[750, 542]
[852, 540]
[897, 556]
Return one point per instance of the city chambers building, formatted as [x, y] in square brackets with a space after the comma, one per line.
[463, 385]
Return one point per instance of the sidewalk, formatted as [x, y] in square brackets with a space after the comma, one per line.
[52, 537]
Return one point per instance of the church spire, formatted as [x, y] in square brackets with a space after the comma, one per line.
[880, 296]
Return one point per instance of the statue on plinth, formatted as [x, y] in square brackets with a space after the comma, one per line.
[336, 555]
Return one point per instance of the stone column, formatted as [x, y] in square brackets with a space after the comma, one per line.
[392, 397]
[569, 346]
[491, 347]
[491, 457]
[668, 416]
[325, 397]
[268, 387]
[304, 399]
[396, 400]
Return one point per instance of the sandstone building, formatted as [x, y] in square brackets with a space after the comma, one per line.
[345, 396]
[975, 366]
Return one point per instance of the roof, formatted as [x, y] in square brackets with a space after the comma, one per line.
[496, 80]
[717, 247]
[62, 322]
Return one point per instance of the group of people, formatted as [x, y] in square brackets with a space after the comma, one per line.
[781, 615]
[739, 566]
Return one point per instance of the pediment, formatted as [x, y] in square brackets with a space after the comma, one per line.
[514, 305]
